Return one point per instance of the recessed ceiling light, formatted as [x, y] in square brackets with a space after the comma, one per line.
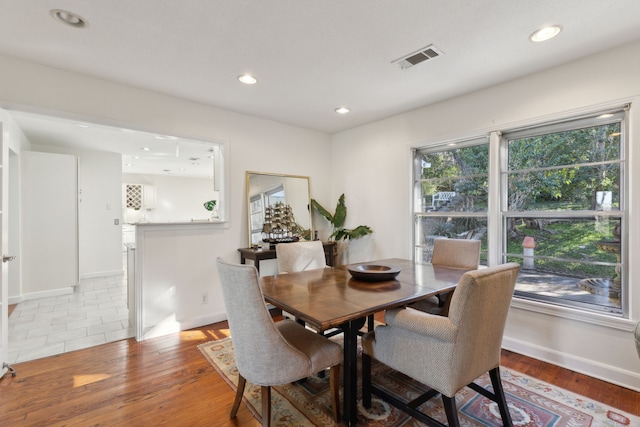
[545, 33]
[342, 110]
[68, 18]
[247, 79]
[146, 148]
[80, 125]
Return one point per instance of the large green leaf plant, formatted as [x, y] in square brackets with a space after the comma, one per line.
[337, 222]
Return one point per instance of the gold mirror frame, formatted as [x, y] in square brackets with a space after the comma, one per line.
[297, 194]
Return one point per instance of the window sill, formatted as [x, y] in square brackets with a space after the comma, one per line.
[608, 321]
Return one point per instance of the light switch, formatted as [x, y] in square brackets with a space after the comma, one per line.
[116, 221]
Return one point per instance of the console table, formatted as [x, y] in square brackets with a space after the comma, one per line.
[257, 255]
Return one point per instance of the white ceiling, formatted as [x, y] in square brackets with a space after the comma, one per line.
[312, 56]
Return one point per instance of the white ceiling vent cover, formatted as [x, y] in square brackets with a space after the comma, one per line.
[417, 57]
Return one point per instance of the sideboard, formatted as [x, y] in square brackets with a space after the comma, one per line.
[257, 255]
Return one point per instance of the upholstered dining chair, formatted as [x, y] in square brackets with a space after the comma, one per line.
[636, 335]
[269, 353]
[453, 253]
[447, 353]
[300, 256]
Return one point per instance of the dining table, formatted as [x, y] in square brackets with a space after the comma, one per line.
[333, 297]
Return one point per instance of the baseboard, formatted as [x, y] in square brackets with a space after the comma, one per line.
[207, 319]
[46, 294]
[608, 373]
[15, 300]
[172, 326]
[102, 274]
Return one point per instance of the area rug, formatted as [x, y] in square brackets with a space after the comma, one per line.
[531, 402]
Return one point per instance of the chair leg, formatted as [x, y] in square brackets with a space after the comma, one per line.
[501, 398]
[334, 386]
[266, 405]
[451, 411]
[366, 380]
[236, 403]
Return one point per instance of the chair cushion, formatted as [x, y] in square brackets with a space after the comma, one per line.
[321, 352]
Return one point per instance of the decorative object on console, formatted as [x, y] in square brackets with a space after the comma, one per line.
[280, 225]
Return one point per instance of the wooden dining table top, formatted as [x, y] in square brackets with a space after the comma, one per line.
[326, 298]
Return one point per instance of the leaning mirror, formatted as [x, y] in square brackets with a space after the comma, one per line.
[278, 208]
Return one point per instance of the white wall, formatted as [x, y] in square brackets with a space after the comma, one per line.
[252, 144]
[177, 198]
[595, 345]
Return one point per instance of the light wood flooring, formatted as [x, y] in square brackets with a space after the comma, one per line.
[166, 381]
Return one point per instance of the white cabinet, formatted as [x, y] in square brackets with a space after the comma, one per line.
[148, 197]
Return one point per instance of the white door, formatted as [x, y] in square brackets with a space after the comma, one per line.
[49, 239]
[4, 243]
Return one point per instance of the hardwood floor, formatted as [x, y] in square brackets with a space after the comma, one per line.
[166, 381]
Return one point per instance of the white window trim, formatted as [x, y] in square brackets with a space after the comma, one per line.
[494, 217]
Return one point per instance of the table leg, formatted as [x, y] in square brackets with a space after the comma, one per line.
[350, 370]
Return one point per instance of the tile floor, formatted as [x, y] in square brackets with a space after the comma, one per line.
[96, 313]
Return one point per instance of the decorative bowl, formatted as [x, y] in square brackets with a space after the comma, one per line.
[373, 272]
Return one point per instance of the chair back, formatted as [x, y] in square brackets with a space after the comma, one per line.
[636, 335]
[456, 253]
[262, 354]
[478, 310]
[300, 256]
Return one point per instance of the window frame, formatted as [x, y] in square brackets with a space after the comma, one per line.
[497, 202]
[417, 199]
[619, 115]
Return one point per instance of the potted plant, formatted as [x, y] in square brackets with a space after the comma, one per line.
[211, 207]
[339, 233]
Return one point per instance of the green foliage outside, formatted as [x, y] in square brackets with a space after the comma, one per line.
[569, 240]
[562, 171]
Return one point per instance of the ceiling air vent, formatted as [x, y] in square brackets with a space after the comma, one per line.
[417, 57]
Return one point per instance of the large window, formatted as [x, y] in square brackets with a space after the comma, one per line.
[451, 188]
[559, 210]
[563, 194]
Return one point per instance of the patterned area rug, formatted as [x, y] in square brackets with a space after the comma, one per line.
[531, 402]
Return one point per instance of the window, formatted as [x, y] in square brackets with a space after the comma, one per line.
[267, 198]
[450, 188]
[558, 206]
[563, 194]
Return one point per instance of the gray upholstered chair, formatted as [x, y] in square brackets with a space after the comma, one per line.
[637, 337]
[269, 353]
[300, 256]
[447, 353]
[454, 253]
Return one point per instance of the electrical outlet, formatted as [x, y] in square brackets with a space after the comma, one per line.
[205, 298]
